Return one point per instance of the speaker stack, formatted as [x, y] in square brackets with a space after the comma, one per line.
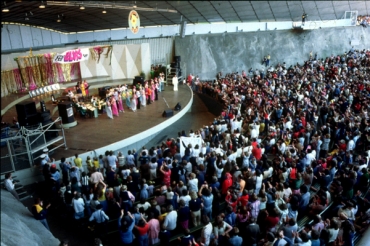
[178, 107]
[138, 80]
[167, 113]
[66, 113]
[176, 65]
[103, 91]
[27, 114]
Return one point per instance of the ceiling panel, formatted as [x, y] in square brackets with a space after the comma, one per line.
[75, 19]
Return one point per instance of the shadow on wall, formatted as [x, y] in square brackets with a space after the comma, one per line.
[208, 54]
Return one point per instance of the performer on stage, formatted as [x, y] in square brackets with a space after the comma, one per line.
[78, 91]
[128, 104]
[138, 99]
[148, 92]
[82, 86]
[143, 96]
[152, 95]
[86, 86]
[134, 100]
[109, 109]
[161, 81]
[156, 90]
[113, 103]
[175, 82]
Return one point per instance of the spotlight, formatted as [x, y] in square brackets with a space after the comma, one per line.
[104, 11]
[59, 20]
[42, 6]
[5, 9]
[82, 7]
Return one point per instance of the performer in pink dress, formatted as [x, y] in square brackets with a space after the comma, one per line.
[114, 106]
[152, 95]
[120, 105]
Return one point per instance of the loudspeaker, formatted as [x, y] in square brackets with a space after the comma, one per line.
[183, 29]
[177, 59]
[66, 112]
[178, 107]
[167, 113]
[103, 91]
[42, 106]
[29, 120]
[49, 135]
[137, 80]
[45, 116]
[26, 109]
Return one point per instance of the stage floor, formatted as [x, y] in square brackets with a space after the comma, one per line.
[93, 133]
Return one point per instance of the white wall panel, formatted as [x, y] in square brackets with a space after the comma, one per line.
[118, 34]
[5, 40]
[84, 37]
[37, 37]
[46, 37]
[102, 36]
[55, 38]
[26, 36]
[15, 36]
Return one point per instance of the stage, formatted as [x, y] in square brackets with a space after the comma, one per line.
[93, 133]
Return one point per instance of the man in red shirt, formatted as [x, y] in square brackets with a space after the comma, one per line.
[257, 152]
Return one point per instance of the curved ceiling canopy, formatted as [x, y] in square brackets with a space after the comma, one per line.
[78, 16]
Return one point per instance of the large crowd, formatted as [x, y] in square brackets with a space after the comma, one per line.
[290, 143]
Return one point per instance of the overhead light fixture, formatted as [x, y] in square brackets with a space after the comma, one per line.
[42, 6]
[59, 20]
[106, 5]
[134, 6]
[26, 18]
[104, 11]
[5, 9]
[31, 13]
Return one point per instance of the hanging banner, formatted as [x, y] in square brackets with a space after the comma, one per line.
[189, 140]
[72, 56]
[134, 21]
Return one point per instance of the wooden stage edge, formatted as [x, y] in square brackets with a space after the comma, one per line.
[94, 133]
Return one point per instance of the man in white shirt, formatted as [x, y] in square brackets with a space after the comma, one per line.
[206, 232]
[112, 159]
[171, 219]
[10, 184]
[254, 132]
[351, 144]
[193, 183]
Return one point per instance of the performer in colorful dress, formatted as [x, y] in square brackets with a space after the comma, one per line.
[133, 101]
[148, 93]
[152, 95]
[109, 108]
[128, 97]
[82, 86]
[86, 86]
[113, 103]
[143, 97]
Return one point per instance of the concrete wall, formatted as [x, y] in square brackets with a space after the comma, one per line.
[207, 54]
[18, 227]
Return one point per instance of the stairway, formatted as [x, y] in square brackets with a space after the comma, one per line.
[22, 193]
[171, 74]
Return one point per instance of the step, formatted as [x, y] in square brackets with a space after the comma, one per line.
[54, 140]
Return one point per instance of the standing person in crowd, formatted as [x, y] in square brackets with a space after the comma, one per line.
[40, 213]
